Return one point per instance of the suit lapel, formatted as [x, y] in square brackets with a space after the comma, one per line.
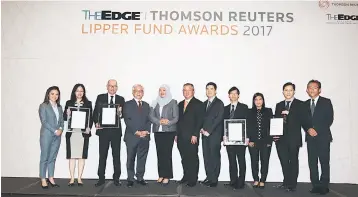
[188, 106]
[317, 106]
[212, 103]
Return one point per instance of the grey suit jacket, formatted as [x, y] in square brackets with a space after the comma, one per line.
[49, 123]
[170, 111]
[136, 120]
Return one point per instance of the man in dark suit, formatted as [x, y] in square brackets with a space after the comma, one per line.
[236, 110]
[295, 116]
[109, 135]
[188, 126]
[319, 139]
[137, 135]
[212, 135]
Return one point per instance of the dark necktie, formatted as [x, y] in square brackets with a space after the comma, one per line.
[140, 105]
[111, 103]
[287, 106]
[232, 112]
[313, 106]
[209, 103]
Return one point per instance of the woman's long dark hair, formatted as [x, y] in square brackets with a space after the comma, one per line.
[253, 100]
[47, 95]
[73, 94]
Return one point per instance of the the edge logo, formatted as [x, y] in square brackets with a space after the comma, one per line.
[109, 15]
[342, 17]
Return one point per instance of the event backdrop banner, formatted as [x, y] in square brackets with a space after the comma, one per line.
[256, 46]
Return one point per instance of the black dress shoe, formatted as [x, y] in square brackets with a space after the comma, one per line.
[281, 186]
[130, 184]
[212, 184]
[291, 189]
[315, 190]
[99, 183]
[116, 182]
[190, 184]
[52, 184]
[204, 181]
[324, 191]
[182, 181]
[142, 182]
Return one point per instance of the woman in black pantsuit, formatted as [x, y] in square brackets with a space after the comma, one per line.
[260, 141]
[164, 115]
[77, 140]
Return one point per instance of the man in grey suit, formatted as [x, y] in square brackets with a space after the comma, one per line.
[137, 134]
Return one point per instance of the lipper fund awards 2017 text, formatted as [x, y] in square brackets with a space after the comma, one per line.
[181, 29]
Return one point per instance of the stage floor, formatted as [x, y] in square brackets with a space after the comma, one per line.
[31, 187]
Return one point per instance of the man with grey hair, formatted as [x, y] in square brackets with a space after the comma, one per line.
[137, 134]
[109, 136]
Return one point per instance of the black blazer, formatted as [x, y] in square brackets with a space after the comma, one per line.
[190, 121]
[241, 112]
[299, 116]
[87, 104]
[213, 117]
[322, 119]
[102, 99]
[252, 130]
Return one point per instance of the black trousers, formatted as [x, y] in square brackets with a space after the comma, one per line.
[237, 153]
[189, 159]
[164, 144]
[319, 150]
[288, 155]
[107, 138]
[260, 152]
[212, 157]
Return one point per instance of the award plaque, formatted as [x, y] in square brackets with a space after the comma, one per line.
[109, 115]
[79, 118]
[235, 132]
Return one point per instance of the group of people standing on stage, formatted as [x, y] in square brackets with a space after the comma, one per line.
[185, 122]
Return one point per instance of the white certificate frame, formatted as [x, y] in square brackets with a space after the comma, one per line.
[227, 123]
[109, 126]
[277, 126]
[88, 115]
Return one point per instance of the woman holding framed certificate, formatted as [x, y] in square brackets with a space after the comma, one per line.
[78, 114]
[260, 141]
[164, 115]
[50, 112]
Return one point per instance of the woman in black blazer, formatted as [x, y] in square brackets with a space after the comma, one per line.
[78, 139]
[260, 141]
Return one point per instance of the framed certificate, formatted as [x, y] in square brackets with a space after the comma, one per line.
[276, 126]
[235, 132]
[109, 115]
[79, 118]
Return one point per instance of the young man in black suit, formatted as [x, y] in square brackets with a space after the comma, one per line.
[319, 140]
[212, 135]
[295, 116]
[109, 136]
[188, 126]
[236, 110]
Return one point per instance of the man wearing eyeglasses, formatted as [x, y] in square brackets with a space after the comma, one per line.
[109, 136]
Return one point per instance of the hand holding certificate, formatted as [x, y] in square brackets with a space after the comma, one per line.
[276, 127]
[235, 132]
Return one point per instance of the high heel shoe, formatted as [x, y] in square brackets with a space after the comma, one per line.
[79, 184]
[71, 184]
[261, 185]
[52, 184]
[167, 183]
[44, 187]
[255, 185]
[160, 180]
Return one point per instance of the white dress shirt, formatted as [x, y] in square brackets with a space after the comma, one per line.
[233, 104]
[109, 98]
[315, 101]
[160, 114]
[55, 109]
[289, 105]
